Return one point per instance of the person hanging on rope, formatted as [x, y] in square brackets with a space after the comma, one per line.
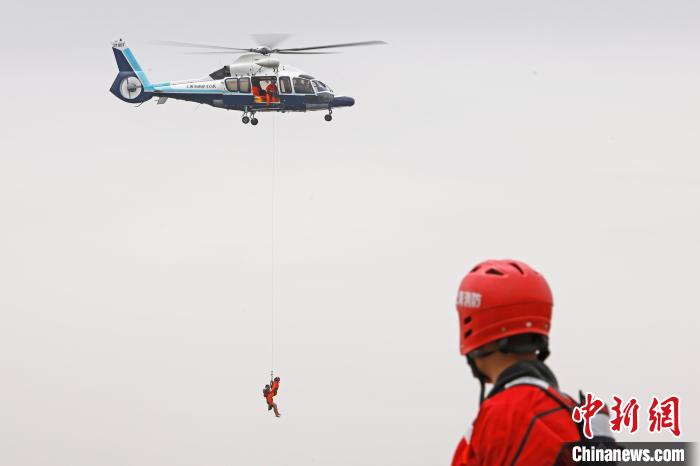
[269, 393]
[275, 385]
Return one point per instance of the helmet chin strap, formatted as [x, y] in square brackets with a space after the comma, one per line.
[541, 347]
[479, 376]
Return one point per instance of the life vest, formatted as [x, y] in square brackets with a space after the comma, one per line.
[527, 423]
[275, 387]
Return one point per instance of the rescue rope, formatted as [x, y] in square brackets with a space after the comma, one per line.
[272, 254]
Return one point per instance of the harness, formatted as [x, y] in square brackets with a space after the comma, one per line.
[600, 426]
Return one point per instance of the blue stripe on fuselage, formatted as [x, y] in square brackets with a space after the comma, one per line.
[176, 90]
[231, 101]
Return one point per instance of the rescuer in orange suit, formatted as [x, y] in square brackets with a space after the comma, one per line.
[269, 395]
[257, 93]
[271, 93]
[275, 385]
[505, 310]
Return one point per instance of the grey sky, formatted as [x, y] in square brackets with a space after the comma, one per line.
[135, 243]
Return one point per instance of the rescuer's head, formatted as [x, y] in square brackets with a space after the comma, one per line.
[505, 307]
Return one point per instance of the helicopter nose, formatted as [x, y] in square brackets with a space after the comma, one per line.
[343, 101]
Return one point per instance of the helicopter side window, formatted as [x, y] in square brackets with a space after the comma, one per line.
[285, 85]
[244, 85]
[232, 85]
[302, 86]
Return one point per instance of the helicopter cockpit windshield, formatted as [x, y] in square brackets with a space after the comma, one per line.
[321, 87]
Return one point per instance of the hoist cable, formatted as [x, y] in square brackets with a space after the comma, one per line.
[272, 252]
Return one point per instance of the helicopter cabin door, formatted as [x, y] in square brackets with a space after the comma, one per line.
[265, 92]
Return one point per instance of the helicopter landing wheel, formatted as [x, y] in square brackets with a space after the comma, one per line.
[328, 117]
[253, 121]
[245, 120]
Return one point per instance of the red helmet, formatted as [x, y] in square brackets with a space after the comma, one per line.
[499, 299]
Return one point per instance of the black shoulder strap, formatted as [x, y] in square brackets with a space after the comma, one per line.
[600, 423]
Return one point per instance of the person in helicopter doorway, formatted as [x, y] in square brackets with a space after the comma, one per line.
[269, 392]
[271, 93]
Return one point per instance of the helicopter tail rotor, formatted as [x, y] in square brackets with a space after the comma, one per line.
[131, 84]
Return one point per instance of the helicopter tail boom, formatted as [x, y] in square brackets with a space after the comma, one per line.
[131, 84]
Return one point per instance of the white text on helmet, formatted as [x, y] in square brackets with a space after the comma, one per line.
[469, 299]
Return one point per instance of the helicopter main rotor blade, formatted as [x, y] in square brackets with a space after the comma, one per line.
[348, 44]
[224, 52]
[266, 50]
[198, 46]
[286, 52]
[215, 52]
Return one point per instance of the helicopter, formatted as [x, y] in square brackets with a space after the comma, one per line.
[256, 81]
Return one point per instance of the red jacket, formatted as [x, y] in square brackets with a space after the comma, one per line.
[269, 397]
[525, 421]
